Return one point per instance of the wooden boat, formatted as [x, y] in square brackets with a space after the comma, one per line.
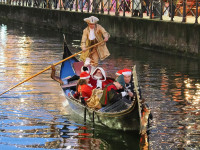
[128, 119]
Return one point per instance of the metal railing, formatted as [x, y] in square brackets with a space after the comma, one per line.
[170, 10]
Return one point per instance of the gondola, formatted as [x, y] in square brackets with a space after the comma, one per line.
[127, 120]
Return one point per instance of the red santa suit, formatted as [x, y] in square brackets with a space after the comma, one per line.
[97, 82]
[85, 90]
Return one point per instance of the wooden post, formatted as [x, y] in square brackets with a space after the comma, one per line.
[151, 9]
[171, 10]
[102, 7]
[141, 11]
[93, 119]
[197, 13]
[124, 8]
[94, 6]
[88, 8]
[161, 10]
[132, 11]
[116, 8]
[85, 111]
[47, 6]
[76, 7]
[82, 6]
[184, 11]
[108, 7]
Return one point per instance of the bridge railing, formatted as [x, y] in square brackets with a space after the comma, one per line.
[170, 10]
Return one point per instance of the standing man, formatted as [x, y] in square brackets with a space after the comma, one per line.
[93, 34]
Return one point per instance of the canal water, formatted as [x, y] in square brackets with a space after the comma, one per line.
[35, 114]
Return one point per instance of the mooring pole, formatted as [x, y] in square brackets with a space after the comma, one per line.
[85, 115]
[93, 119]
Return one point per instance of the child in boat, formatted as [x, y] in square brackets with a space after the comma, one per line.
[83, 88]
[110, 94]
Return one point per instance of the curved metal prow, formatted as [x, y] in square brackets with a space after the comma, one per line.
[136, 87]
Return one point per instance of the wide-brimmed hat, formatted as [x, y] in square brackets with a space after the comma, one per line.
[121, 81]
[91, 20]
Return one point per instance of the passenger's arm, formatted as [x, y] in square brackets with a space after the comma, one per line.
[115, 96]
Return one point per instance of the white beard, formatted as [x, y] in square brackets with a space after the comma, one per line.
[97, 78]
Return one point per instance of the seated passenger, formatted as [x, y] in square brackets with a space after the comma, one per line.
[118, 73]
[128, 91]
[110, 94]
[129, 87]
[98, 78]
[83, 88]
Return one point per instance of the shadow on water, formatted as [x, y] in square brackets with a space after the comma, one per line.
[85, 137]
[113, 139]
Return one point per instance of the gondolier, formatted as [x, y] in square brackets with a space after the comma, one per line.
[93, 34]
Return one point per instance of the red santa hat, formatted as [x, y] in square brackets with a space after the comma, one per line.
[126, 72]
[118, 73]
[84, 75]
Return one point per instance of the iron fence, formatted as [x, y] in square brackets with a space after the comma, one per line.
[171, 10]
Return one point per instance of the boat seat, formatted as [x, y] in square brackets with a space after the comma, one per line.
[117, 106]
[77, 67]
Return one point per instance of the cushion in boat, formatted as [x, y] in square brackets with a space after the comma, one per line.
[77, 67]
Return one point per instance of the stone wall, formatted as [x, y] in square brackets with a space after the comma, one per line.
[168, 37]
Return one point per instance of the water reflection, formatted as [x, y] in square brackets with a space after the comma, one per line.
[35, 114]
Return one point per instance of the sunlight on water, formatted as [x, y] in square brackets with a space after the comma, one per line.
[32, 114]
[36, 115]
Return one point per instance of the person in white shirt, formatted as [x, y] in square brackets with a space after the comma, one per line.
[93, 34]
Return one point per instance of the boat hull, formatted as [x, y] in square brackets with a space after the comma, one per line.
[125, 120]
[128, 119]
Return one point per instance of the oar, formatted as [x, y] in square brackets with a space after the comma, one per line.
[50, 67]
